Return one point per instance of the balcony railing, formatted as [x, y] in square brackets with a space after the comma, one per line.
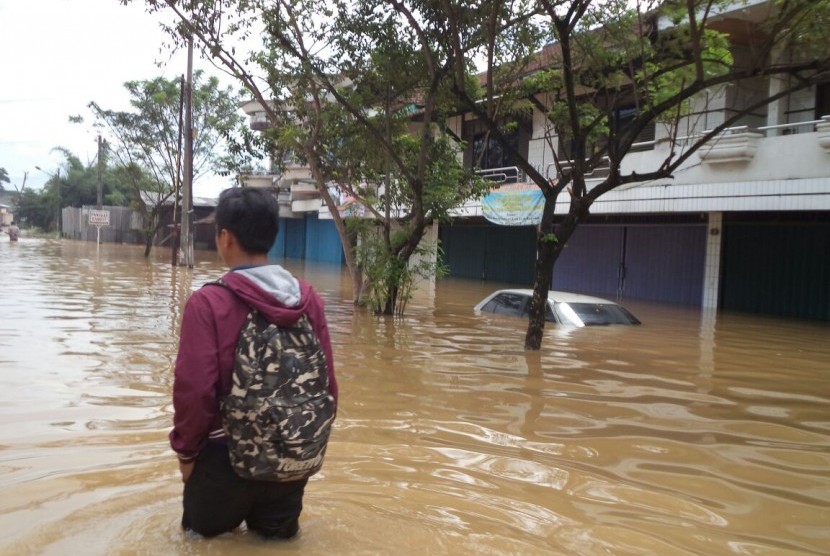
[507, 174]
[791, 129]
[600, 171]
[768, 130]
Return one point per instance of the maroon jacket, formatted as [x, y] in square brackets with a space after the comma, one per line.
[211, 324]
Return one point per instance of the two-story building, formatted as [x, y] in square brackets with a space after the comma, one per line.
[743, 225]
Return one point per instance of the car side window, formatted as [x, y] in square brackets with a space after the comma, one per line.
[506, 304]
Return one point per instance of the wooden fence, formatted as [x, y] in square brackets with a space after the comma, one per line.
[125, 225]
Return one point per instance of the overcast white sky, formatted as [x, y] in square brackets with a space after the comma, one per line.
[58, 55]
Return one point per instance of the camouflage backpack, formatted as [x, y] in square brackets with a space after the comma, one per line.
[279, 412]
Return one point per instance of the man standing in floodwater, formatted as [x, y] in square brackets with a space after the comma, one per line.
[14, 231]
[216, 499]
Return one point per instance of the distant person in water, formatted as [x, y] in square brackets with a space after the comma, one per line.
[14, 231]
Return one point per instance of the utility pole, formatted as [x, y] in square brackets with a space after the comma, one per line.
[178, 189]
[59, 220]
[100, 172]
[187, 197]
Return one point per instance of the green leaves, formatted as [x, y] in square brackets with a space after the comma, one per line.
[148, 135]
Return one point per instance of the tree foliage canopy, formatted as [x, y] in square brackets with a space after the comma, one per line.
[71, 184]
[148, 135]
[349, 70]
[353, 92]
[147, 145]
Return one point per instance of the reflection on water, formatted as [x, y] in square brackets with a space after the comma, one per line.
[693, 434]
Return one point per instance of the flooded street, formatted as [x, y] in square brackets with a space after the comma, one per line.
[692, 434]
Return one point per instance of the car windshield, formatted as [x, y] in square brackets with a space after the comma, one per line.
[598, 313]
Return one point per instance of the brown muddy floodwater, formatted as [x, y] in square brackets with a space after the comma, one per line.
[693, 434]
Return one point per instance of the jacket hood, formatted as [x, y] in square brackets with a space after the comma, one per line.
[271, 290]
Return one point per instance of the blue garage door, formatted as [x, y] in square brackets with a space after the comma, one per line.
[322, 241]
[591, 260]
[665, 263]
[290, 242]
[653, 262]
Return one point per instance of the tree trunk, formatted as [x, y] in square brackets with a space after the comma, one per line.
[391, 300]
[151, 231]
[402, 258]
[545, 247]
[148, 244]
[357, 285]
[347, 241]
[550, 246]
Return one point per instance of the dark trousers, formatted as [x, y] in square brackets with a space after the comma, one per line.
[217, 500]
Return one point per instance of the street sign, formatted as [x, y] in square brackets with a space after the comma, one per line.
[99, 217]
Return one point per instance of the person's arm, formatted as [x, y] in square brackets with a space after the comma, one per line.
[317, 317]
[195, 382]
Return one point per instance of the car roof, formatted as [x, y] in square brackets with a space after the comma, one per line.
[557, 296]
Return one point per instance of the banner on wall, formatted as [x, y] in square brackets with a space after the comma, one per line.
[518, 204]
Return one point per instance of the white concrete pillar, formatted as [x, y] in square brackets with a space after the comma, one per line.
[711, 266]
[430, 243]
[776, 111]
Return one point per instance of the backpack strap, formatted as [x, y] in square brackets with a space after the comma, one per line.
[219, 282]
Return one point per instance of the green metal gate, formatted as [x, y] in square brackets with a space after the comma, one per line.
[488, 252]
[777, 268]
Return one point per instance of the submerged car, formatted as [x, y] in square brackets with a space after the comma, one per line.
[571, 309]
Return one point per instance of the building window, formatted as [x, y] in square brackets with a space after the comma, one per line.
[489, 153]
[494, 160]
[623, 117]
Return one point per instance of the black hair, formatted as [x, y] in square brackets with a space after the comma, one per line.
[251, 214]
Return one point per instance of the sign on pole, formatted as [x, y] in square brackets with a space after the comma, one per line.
[99, 218]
